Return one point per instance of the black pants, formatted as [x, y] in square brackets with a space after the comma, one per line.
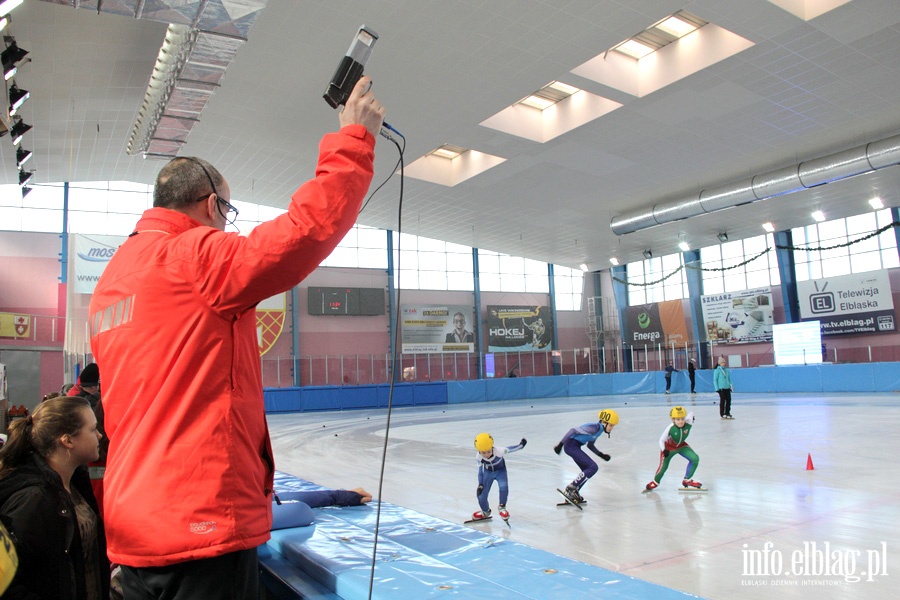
[668, 383]
[233, 576]
[724, 402]
[691, 375]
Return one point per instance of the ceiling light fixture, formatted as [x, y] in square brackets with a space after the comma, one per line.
[634, 49]
[768, 227]
[25, 177]
[11, 57]
[22, 156]
[614, 261]
[18, 130]
[819, 216]
[25, 191]
[17, 98]
[4, 21]
[876, 203]
[449, 151]
[7, 6]
[723, 237]
[584, 267]
[676, 27]
[647, 254]
[550, 94]
[684, 246]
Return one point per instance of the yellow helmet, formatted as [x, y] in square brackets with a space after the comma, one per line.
[678, 412]
[608, 415]
[484, 442]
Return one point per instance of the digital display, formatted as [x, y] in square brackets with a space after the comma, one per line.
[345, 301]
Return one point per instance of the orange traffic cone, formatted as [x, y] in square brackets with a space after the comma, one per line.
[809, 465]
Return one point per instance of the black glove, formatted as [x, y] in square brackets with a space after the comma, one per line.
[665, 453]
[558, 448]
[605, 457]
[523, 442]
[479, 490]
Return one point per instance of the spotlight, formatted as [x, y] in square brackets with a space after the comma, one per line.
[684, 246]
[17, 98]
[25, 177]
[4, 21]
[723, 237]
[22, 156]
[25, 191]
[647, 254]
[11, 57]
[18, 130]
[7, 6]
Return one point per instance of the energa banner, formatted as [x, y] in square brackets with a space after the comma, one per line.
[656, 323]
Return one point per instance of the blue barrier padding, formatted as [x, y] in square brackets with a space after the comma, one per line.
[430, 393]
[886, 377]
[460, 392]
[791, 379]
[634, 383]
[866, 377]
[420, 556]
[848, 378]
[546, 387]
[508, 388]
[759, 380]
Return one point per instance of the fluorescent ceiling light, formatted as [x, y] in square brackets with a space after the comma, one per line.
[819, 216]
[768, 227]
[550, 94]
[676, 27]
[634, 49]
[614, 261]
[448, 151]
[684, 246]
[876, 203]
[647, 254]
[584, 267]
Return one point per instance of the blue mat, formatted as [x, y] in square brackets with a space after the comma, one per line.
[420, 556]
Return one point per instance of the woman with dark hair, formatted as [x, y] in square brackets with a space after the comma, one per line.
[47, 504]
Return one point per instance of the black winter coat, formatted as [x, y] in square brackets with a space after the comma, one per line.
[40, 516]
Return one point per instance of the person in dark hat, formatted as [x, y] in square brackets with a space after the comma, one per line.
[88, 386]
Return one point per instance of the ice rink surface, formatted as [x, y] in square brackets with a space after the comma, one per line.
[767, 527]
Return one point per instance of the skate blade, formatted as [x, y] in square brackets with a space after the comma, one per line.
[692, 489]
[477, 520]
[569, 502]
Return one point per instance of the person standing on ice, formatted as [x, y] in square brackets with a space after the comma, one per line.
[492, 467]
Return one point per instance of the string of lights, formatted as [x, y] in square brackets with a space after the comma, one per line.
[695, 264]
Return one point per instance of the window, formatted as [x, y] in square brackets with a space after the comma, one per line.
[762, 271]
[877, 252]
[654, 270]
[569, 285]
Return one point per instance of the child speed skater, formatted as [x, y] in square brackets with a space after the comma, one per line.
[674, 441]
[492, 467]
[582, 435]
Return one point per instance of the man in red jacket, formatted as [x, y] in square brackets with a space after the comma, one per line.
[189, 473]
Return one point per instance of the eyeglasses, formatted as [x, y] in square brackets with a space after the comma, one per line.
[459, 320]
[220, 201]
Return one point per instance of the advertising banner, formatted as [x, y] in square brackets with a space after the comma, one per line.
[92, 254]
[739, 317]
[436, 328]
[860, 303]
[519, 328]
[656, 323]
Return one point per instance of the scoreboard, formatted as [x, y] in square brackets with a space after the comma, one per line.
[345, 301]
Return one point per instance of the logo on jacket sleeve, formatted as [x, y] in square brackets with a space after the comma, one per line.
[204, 527]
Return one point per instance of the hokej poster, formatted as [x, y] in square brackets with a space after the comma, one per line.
[426, 328]
[519, 328]
[656, 323]
[860, 303]
[739, 317]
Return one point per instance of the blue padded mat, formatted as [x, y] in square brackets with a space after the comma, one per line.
[420, 556]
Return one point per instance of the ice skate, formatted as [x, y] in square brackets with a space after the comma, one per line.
[479, 516]
[572, 497]
[650, 487]
[689, 485]
[504, 514]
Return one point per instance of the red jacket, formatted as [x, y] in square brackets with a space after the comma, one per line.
[173, 329]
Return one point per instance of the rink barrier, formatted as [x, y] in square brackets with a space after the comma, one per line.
[824, 378]
[420, 556]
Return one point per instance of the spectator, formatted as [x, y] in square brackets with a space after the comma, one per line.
[669, 370]
[189, 473]
[724, 387]
[88, 387]
[692, 375]
[46, 502]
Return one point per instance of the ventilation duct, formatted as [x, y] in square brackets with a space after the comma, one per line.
[819, 171]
